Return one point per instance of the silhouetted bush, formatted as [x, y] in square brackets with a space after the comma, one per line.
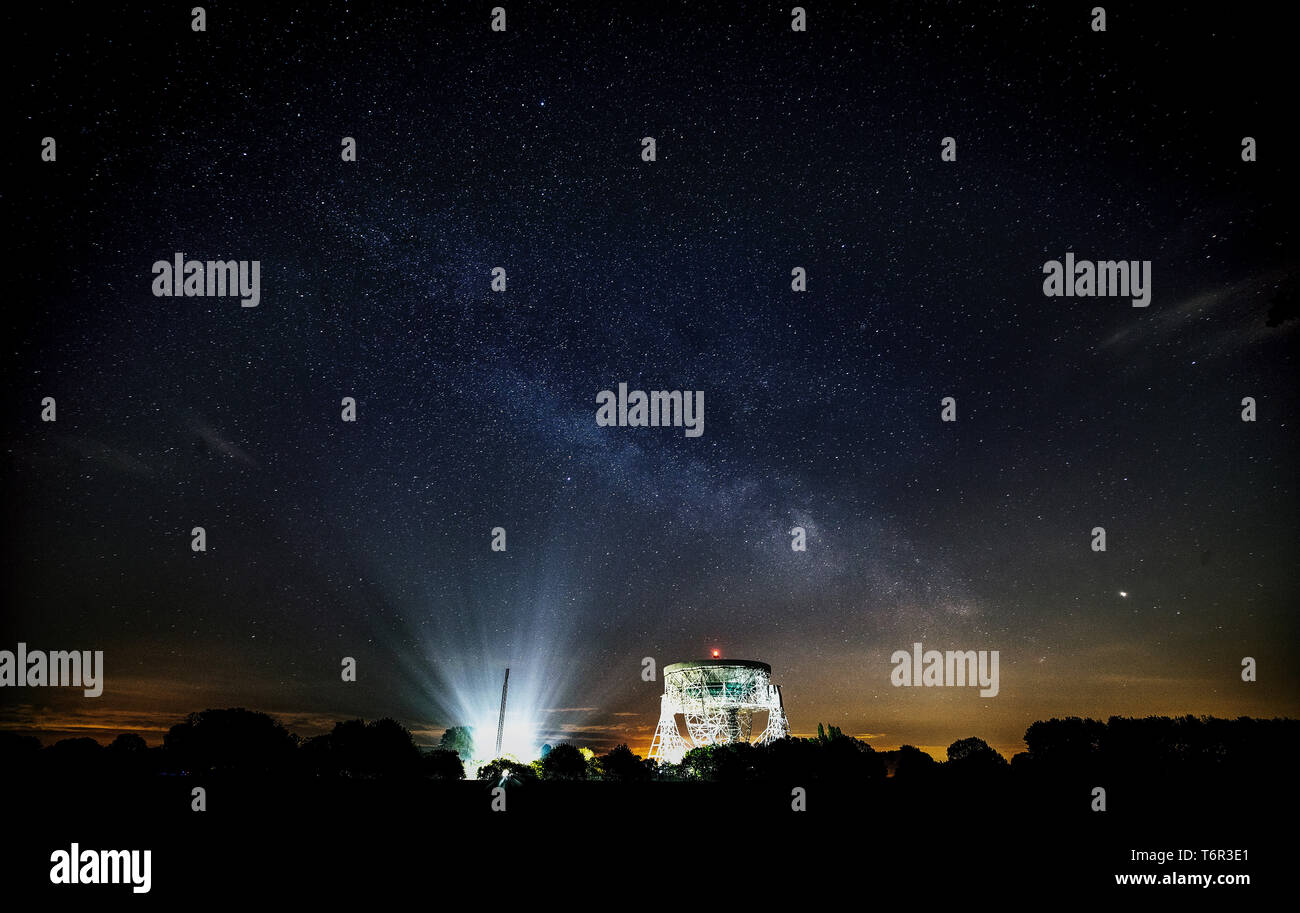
[507, 771]
[834, 758]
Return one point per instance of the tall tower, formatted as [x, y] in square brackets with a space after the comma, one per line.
[717, 699]
[501, 720]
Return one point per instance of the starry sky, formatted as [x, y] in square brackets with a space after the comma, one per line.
[476, 409]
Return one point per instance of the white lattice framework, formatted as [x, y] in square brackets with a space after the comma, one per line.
[716, 700]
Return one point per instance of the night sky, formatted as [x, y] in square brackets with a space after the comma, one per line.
[476, 409]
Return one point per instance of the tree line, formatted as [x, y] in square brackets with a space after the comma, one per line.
[246, 742]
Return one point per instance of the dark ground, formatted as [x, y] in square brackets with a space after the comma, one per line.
[598, 843]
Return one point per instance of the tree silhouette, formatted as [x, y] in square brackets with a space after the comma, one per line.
[380, 748]
[564, 762]
[234, 740]
[975, 757]
[847, 759]
[911, 763]
[732, 762]
[71, 756]
[128, 754]
[444, 764]
[623, 766]
[250, 743]
[128, 743]
[1069, 743]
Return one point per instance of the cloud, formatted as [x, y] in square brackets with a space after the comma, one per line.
[569, 709]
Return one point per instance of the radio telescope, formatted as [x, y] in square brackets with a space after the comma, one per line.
[716, 700]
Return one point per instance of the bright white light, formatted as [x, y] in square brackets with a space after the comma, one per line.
[465, 689]
[472, 697]
[523, 617]
[519, 739]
